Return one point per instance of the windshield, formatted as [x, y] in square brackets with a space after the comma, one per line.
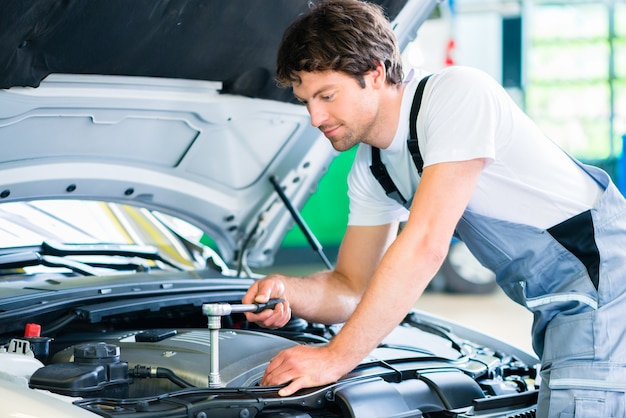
[69, 225]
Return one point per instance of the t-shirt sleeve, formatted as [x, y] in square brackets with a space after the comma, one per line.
[459, 120]
[369, 205]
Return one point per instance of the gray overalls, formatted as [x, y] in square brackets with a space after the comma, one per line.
[572, 276]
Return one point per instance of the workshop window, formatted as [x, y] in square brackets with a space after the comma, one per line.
[576, 74]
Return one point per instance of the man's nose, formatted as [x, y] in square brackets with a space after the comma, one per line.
[318, 115]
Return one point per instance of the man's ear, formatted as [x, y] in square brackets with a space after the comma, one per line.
[378, 75]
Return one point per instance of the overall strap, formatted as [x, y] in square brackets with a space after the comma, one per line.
[414, 148]
[379, 170]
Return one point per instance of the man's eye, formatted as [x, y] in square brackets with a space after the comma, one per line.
[328, 97]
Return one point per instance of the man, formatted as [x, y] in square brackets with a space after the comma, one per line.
[552, 229]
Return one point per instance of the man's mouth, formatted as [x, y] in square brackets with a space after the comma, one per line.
[328, 132]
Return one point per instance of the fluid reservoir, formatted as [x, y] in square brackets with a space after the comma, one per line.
[95, 372]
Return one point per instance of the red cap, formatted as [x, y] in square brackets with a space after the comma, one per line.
[32, 330]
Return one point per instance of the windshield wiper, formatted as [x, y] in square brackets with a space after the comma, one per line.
[34, 258]
[145, 252]
[55, 255]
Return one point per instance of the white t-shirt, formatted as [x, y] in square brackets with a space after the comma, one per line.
[464, 115]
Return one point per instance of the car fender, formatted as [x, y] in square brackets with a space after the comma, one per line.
[18, 400]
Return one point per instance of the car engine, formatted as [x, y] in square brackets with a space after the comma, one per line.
[419, 370]
[153, 362]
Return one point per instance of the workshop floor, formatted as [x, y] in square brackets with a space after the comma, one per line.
[493, 314]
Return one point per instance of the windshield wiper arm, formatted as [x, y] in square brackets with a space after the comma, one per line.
[34, 258]
[146, 252]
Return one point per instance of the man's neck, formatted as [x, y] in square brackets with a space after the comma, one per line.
[390, 107]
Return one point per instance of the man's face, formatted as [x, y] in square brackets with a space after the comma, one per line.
[344, 111]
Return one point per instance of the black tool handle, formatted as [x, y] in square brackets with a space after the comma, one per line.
[270, 304]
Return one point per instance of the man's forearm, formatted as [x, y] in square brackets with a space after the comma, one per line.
[325, 297]
[399, 281]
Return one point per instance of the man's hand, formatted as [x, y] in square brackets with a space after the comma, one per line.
[304, 367]
[262, 291]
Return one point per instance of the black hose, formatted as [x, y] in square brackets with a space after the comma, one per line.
[144, 372]
[173, 377]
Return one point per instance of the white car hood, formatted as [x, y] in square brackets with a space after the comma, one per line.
[169, 105]
[177, 146]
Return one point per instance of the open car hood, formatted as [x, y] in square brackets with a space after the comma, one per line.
[168, 105]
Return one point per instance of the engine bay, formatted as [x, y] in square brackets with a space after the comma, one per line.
[195, 354]
[421, 367]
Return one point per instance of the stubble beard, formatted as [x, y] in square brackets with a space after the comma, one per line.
[351, 138]
[346, 142]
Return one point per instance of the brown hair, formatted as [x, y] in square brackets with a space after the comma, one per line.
[350, 36]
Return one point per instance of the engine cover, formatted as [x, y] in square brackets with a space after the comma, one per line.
[243, 356]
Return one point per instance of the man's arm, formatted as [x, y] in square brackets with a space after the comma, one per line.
[328, 296]
[402, 275]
